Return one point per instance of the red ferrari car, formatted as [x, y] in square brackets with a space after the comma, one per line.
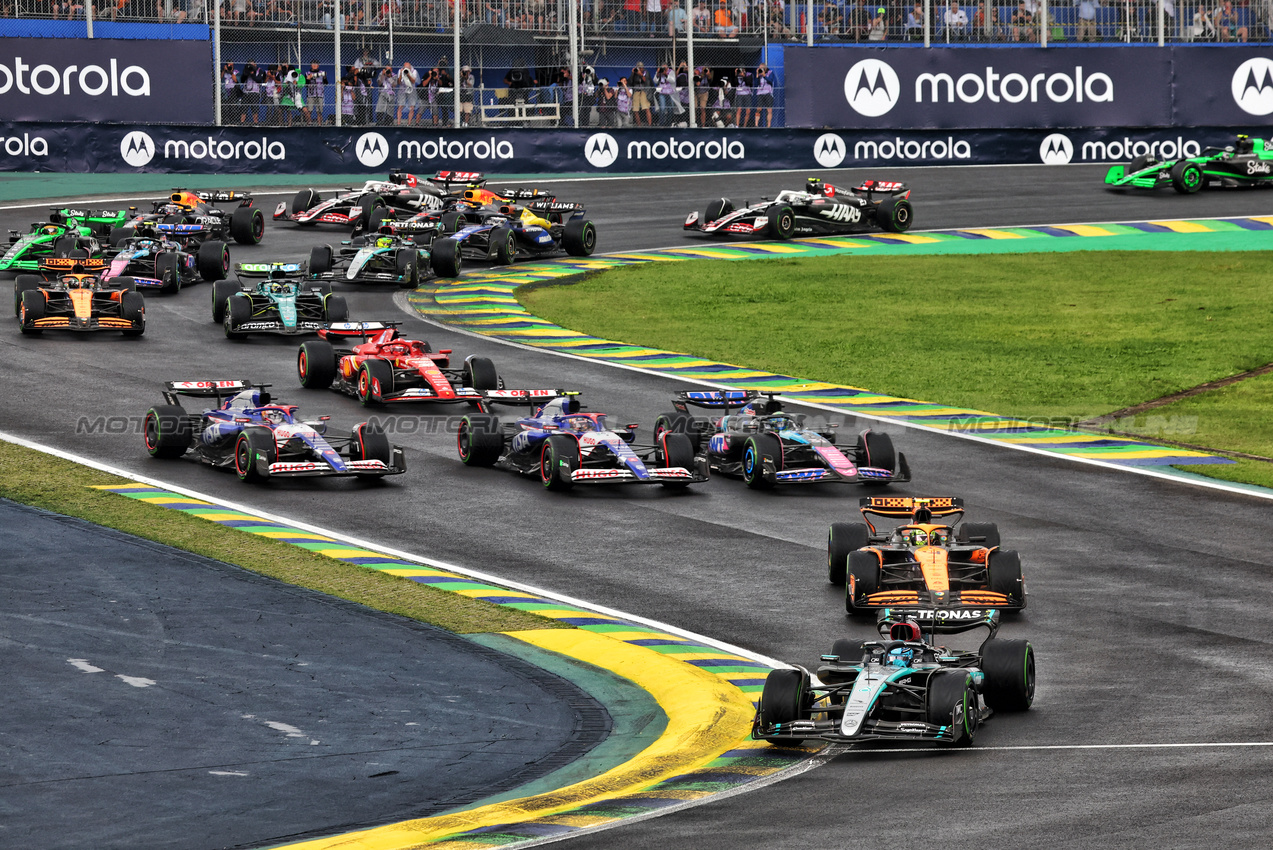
[368, 360]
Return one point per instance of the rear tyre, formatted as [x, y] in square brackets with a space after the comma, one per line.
[782, 222]
[305, 199]
[504, 244]
[127, 284]
[579, 238]
[252, 444]
[1186, 177]
[783, 697]
[558, 459]
[407, 263]
[63, 246]
[247, 225]
[166, 431]
[1009, 669]
[895, 215]
[876, 450]
[677, 450]
[23, 283]
[118, 235]
[132, 308]
[167, 269]
[717, 209]
[479, 373]
[221, 292]
[1003, 575]
[987, 530]
[320, 259]
[238, 310]
[375, 381]
[368, 442]
[679, 423]
[316, 364]
[213, 260]
[953, 702]
[373, 210]
[33, 304]
[758, 449]
[843, 539]
[453, 221]
[863, 579]
[335, 309]
[847, 650]
[445, 258]
[480, 441]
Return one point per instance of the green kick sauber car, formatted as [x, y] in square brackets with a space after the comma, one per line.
[1247, 163]
[65, 231]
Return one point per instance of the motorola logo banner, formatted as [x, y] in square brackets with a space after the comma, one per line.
[1057, 149]
[601, 150]
[372, 149]
[829, 150]
[871, 87]
[1253, 86]
[137, 149]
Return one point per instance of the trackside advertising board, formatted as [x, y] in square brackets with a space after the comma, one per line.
[106, 80]
[960, 88]
[83, 148]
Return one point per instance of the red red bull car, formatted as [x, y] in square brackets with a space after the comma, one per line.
[371, 362]
[819, 209]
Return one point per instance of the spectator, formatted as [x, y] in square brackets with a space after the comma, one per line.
[702, 83]
[956, 20]
[725, 27]
[665, 94]
[740, 14]
[316, 83]
[250, 84]
[607, 104]
[653, 14]
[675, 20]
[69, 8]
[1225, 20]
[408, 96]
[915, 22]
[347, 98]
[829, 18]
[519, 78]
[742, 97]
[623, 100]
[777, 19]
[702, 17]
[683, 83]
[231, 94]
[641, 91]
[269, 98]
[386, 96]
[494, 12]
[765, 82]
[287, 95]
[1086, 30]
[1023, 24]
[467, 85]
[877, 26]
[1203, 29]
[719, 105]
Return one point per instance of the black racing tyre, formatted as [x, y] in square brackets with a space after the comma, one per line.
[305, 199]
[579, 238]
[24, 283]
[168, 270]
[875, 450]
[445, 259]
[64, 245]
[784, 695]
[479, 373]
[863, 579]
[322, 287]
[847, 650]
[166, 431]
[127, 284]
[368, 441]
[1003, 575]
[373, 210]
[316, 364]
[118, 235]
[987, 533]
[221, 292]
[758, 449]
[953, 702]
[407, 263]
[676, 422]
[375, 381]
[558, 459]
[481, 440]
[504, 244]
[453, 221]
[320, 259]
[1008, 666]
[782, 222]
[253, 443]
[895, 215]
[33, 304]
[360, 241]
[843, 539]
[247, 225]
[676, 450]
[335, 308]
[1139, 164]
[213, 260]
[238, 309]
[1186, 177]
[132, 307]
[717, 209]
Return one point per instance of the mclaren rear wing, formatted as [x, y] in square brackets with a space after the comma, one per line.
[72, 265]
[904, 507]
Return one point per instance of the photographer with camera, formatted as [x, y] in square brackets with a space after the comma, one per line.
[408, 96]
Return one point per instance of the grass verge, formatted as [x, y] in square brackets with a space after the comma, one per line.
[64, 487]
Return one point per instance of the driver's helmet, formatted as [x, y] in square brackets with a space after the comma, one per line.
[51, 230]
[1245, 145]
[900, 656]
[780, 423]
[916, 537]
[384, 241]
[274, 415]
[73, 282]
[579, 424]
[814, 186]
[937, 537]
[397, 349]
[278, 287]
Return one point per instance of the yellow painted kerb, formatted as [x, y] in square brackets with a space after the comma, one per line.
[705, 717]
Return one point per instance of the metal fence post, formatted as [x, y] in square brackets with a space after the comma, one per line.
[808, 24]
[88, 16]
[340, 85]
[576, 36]
[1043, 24]
[216, 65]
[689, 58]
[928, 23]
[456, 76]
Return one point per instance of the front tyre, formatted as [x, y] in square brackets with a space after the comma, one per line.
[316, 364]
[504, 244]
[761, 452]
[558, 459]
[446, 259]
[843, 539]
[247, 225]
[213, 260]
[677, 451]
[252, 445]
[863, 571]
[1186, 177]
[166, 431]
[480, 441]
[782, 222]
[784, 696]
[375, 381]
[952, 702]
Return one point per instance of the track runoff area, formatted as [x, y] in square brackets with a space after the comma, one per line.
[1105, 518]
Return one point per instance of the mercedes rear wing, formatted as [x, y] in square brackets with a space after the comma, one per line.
[940, 620]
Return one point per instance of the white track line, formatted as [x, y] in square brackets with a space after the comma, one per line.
[397, 553]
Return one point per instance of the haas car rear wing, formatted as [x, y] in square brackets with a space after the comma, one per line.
[890, 187]
[219, 390]
[447, 179]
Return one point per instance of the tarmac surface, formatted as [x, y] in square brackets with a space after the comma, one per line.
[1151, 725]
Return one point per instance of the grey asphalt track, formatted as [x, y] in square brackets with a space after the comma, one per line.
[154, 698]
[1147, 606]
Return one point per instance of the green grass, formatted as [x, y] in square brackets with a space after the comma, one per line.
[1064, 336]
[65, 488]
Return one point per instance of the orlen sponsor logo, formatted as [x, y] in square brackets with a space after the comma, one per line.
[444, 148]
[1014, 88]
[92, 80]
[24, 145]
[1127, 148]
[899, 148]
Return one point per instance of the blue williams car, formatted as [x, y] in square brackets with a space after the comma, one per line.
[563, 446]
[503, 232]
[261, 439]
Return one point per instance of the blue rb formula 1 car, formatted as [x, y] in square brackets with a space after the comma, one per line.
[260, 439]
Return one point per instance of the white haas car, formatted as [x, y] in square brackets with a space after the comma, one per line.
[820, 209]
[364, 208]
